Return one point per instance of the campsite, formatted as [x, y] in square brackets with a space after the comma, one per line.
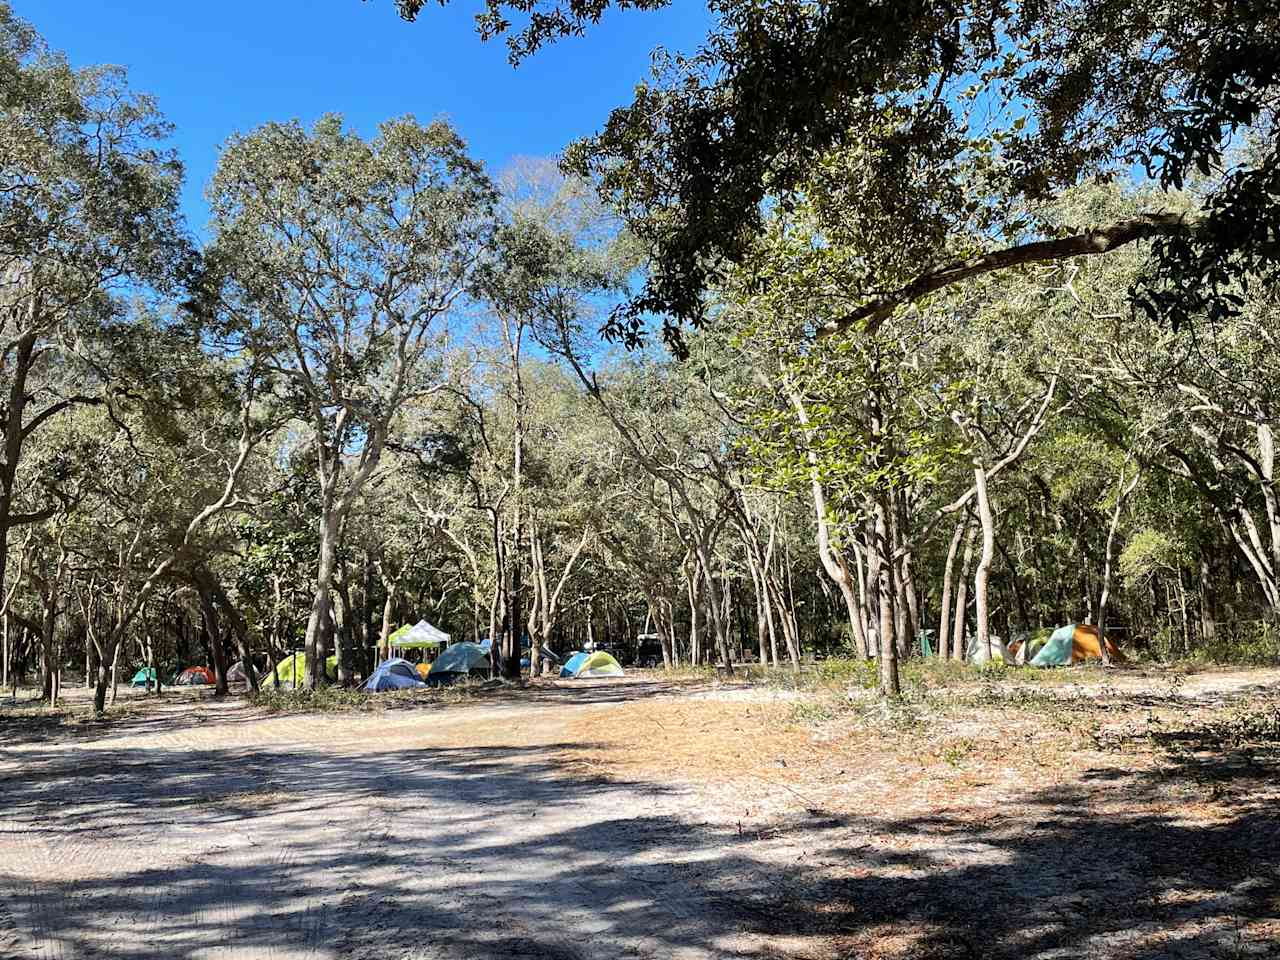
[659, 479]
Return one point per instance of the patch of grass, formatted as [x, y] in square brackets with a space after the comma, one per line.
[331, 699]
[957, 751]
[812, 712]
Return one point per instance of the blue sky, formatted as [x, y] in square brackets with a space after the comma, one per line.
[217, 68]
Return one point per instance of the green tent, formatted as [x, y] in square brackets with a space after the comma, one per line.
[293, 669]
[142, 676]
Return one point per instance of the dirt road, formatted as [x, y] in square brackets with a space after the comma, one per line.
[636, 820]
[446, 833]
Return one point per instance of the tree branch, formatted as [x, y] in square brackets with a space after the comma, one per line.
[1089, 243]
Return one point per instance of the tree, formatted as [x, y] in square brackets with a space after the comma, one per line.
[1034, 96]
[342, 261]
[88, 210]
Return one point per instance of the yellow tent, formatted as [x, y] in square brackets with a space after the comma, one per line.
[599, 664]
[293, 669]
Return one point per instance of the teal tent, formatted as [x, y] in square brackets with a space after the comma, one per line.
[460, 658]
[142, 676]
[1056, 651]
[926, 646]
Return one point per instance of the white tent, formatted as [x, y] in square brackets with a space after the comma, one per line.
[421, 634]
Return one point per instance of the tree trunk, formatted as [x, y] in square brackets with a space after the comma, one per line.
[983, 574]
[944, 618]
[889, 682]
[318, 623]
[1122, 492]
[962, 598]
[213, 628]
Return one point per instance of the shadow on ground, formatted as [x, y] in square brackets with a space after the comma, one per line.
[509, 852]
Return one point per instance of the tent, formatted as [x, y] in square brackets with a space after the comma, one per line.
[292, 670]
[979, 653]
[418, 636]
[598, 664]
[236, 674]
[576, 659]
[142, 676]
[195, 677]
[1074, 643]
[460, 659]
[394, 674]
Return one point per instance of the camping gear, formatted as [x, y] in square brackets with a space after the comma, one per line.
[418, 636]
[292, 670]
[460, 659]
[987, 653]
[236, 673]
[394, 674]
[926, 646]
[1074, 643]
[142, 676]
[598, 664]
[576, 659]
[423, 669]
[195, 677]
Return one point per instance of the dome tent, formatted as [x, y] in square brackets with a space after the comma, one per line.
[598, 664]
[142, 676]
[571, 665]
[1074, 643]
[394, 674]
[459, 660]
[995, 650]
[292, 670]
[195, 677]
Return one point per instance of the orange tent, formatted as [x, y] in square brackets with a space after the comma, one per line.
[1074, 643]
[1084, 645]
[195, 676]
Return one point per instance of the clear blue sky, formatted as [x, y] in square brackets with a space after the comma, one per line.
[222, 67]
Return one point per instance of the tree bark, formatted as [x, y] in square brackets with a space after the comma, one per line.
[962, 598]
[982, 575]
[944, 617]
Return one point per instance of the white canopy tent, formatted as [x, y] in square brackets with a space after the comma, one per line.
[421, 634]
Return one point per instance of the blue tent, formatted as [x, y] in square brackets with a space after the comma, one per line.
[460, 658]
[575, 661]
[394, 674]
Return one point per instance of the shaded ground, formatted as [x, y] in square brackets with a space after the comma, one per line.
[1126, 816]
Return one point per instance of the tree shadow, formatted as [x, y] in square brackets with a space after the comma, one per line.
[510, 852]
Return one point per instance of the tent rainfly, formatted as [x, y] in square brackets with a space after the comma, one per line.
[1074, 643]
[460, 659]
[292, 670]
[598, 664]
[394, 674]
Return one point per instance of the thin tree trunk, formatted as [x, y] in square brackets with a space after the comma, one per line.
[982, 576]
[962, 598]
[944, 619]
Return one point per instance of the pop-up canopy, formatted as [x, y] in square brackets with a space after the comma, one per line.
[418, 636]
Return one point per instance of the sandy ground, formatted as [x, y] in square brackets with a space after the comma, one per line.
[643, 819]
